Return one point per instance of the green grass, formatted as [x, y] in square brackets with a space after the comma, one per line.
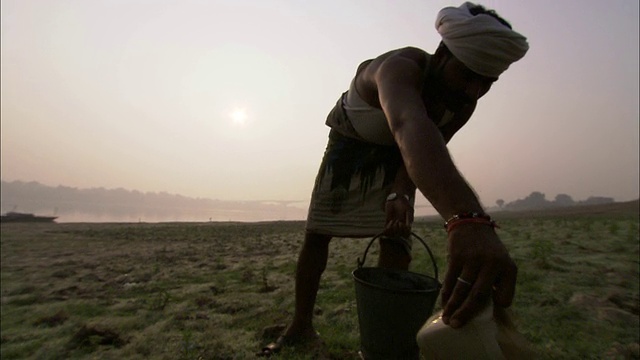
[209, 291]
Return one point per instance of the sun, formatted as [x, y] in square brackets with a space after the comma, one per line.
[239, 116]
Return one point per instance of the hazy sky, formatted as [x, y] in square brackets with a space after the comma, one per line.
[227, 99]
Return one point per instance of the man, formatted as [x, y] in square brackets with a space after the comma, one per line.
[388, 137]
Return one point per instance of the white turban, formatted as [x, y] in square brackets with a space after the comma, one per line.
[481, 42]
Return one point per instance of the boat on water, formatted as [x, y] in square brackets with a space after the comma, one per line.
[13, 216]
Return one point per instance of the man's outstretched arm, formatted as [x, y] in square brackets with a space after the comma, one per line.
[475, 252]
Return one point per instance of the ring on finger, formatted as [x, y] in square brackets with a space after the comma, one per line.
[464, 281]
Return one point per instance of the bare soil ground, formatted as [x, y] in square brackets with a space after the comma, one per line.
[221, 290]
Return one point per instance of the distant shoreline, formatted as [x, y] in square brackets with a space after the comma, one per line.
[626, 208]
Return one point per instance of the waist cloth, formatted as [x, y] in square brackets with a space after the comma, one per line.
[353, 182]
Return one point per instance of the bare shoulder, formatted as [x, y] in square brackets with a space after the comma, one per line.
[410, 53]
[408, 59]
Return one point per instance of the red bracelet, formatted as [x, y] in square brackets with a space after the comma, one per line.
[463, 218]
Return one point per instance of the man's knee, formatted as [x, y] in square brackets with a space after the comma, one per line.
[314, 239]
[314, 253]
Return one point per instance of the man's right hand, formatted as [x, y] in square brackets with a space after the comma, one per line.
[479, 267]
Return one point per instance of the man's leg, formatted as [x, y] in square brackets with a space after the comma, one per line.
[311, 264]
[393, 255]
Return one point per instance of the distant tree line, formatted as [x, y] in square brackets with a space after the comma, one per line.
[536, 200]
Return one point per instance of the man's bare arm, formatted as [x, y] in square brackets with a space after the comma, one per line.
[423, 148]
[475, 252]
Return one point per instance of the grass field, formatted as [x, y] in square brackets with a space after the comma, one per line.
[221, 290]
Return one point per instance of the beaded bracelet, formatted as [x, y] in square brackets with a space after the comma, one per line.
[473, 217]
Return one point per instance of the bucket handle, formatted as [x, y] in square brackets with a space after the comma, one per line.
[433, 259]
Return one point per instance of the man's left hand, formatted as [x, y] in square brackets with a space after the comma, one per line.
[399, 217]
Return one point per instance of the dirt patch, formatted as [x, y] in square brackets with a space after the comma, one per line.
[625, 302]
[624, 351]
[89, 337]
[56, 319]
[620, 310]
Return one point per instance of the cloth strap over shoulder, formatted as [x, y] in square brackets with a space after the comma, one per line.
[338, 121]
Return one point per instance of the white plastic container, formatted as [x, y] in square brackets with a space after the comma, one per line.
[477, 340]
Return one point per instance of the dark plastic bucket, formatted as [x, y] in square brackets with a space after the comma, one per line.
[392, 307]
